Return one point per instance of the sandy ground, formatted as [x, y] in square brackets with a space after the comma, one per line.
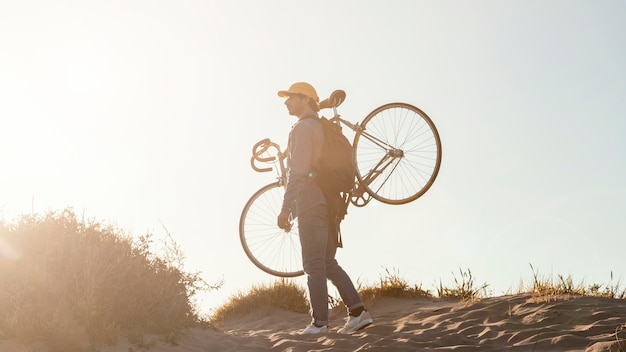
[506, 323]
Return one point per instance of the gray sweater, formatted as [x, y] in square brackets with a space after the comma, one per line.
[304, 150]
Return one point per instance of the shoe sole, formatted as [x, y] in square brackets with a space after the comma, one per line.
[314, 332]
[366, 324]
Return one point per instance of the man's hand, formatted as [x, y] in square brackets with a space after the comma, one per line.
[283, 221]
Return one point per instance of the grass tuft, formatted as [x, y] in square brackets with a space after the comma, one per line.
[464, 288]
[262, 299]
[550, 288]
[392, 285]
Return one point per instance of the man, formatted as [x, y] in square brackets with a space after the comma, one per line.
[305, 200]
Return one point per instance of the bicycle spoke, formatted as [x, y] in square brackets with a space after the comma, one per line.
[406, 134]
[271, 249]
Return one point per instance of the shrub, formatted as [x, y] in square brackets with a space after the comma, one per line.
[68, 280]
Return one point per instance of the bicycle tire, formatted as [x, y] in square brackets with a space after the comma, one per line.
[271, 249]
[410, 136]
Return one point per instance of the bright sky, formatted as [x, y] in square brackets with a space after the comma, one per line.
[144, 112]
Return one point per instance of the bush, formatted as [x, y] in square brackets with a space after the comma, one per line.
[67, 280]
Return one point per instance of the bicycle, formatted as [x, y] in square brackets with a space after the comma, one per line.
[397, 154]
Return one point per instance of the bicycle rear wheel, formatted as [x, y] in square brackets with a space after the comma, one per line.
[271, 249]
[397, 153]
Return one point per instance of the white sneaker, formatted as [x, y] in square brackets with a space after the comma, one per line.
[312, 329]
[356, 323]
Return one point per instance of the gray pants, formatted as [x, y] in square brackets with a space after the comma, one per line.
[318, 258]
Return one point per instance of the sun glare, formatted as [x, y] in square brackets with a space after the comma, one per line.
[7, 252]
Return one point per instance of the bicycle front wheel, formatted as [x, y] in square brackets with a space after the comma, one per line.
[271, 249]
[397, 153]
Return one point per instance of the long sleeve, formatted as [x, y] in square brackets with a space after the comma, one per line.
[305, 143]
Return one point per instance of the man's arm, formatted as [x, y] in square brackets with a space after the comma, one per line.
[301, 150]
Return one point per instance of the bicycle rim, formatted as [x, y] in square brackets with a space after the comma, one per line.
[407, 141]
[271, 249]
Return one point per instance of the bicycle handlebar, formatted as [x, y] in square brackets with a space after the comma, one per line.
[259, 148]
[259, 169]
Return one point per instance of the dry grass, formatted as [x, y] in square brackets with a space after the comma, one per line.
[549, 288]
[285, 295]
[464, 288]
[80, 283]
[262, 300]
[392, 285]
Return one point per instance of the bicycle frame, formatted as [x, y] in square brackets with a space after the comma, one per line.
[358, 195]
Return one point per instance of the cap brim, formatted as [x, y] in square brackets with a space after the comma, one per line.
[283, 93]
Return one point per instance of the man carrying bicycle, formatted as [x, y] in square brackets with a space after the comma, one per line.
[305, 200]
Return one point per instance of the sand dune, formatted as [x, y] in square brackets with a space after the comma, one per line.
[506, 323]
[511, 323]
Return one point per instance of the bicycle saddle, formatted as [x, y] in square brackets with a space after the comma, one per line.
[336, 98]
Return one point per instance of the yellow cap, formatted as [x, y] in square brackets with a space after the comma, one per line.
[300, 88]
